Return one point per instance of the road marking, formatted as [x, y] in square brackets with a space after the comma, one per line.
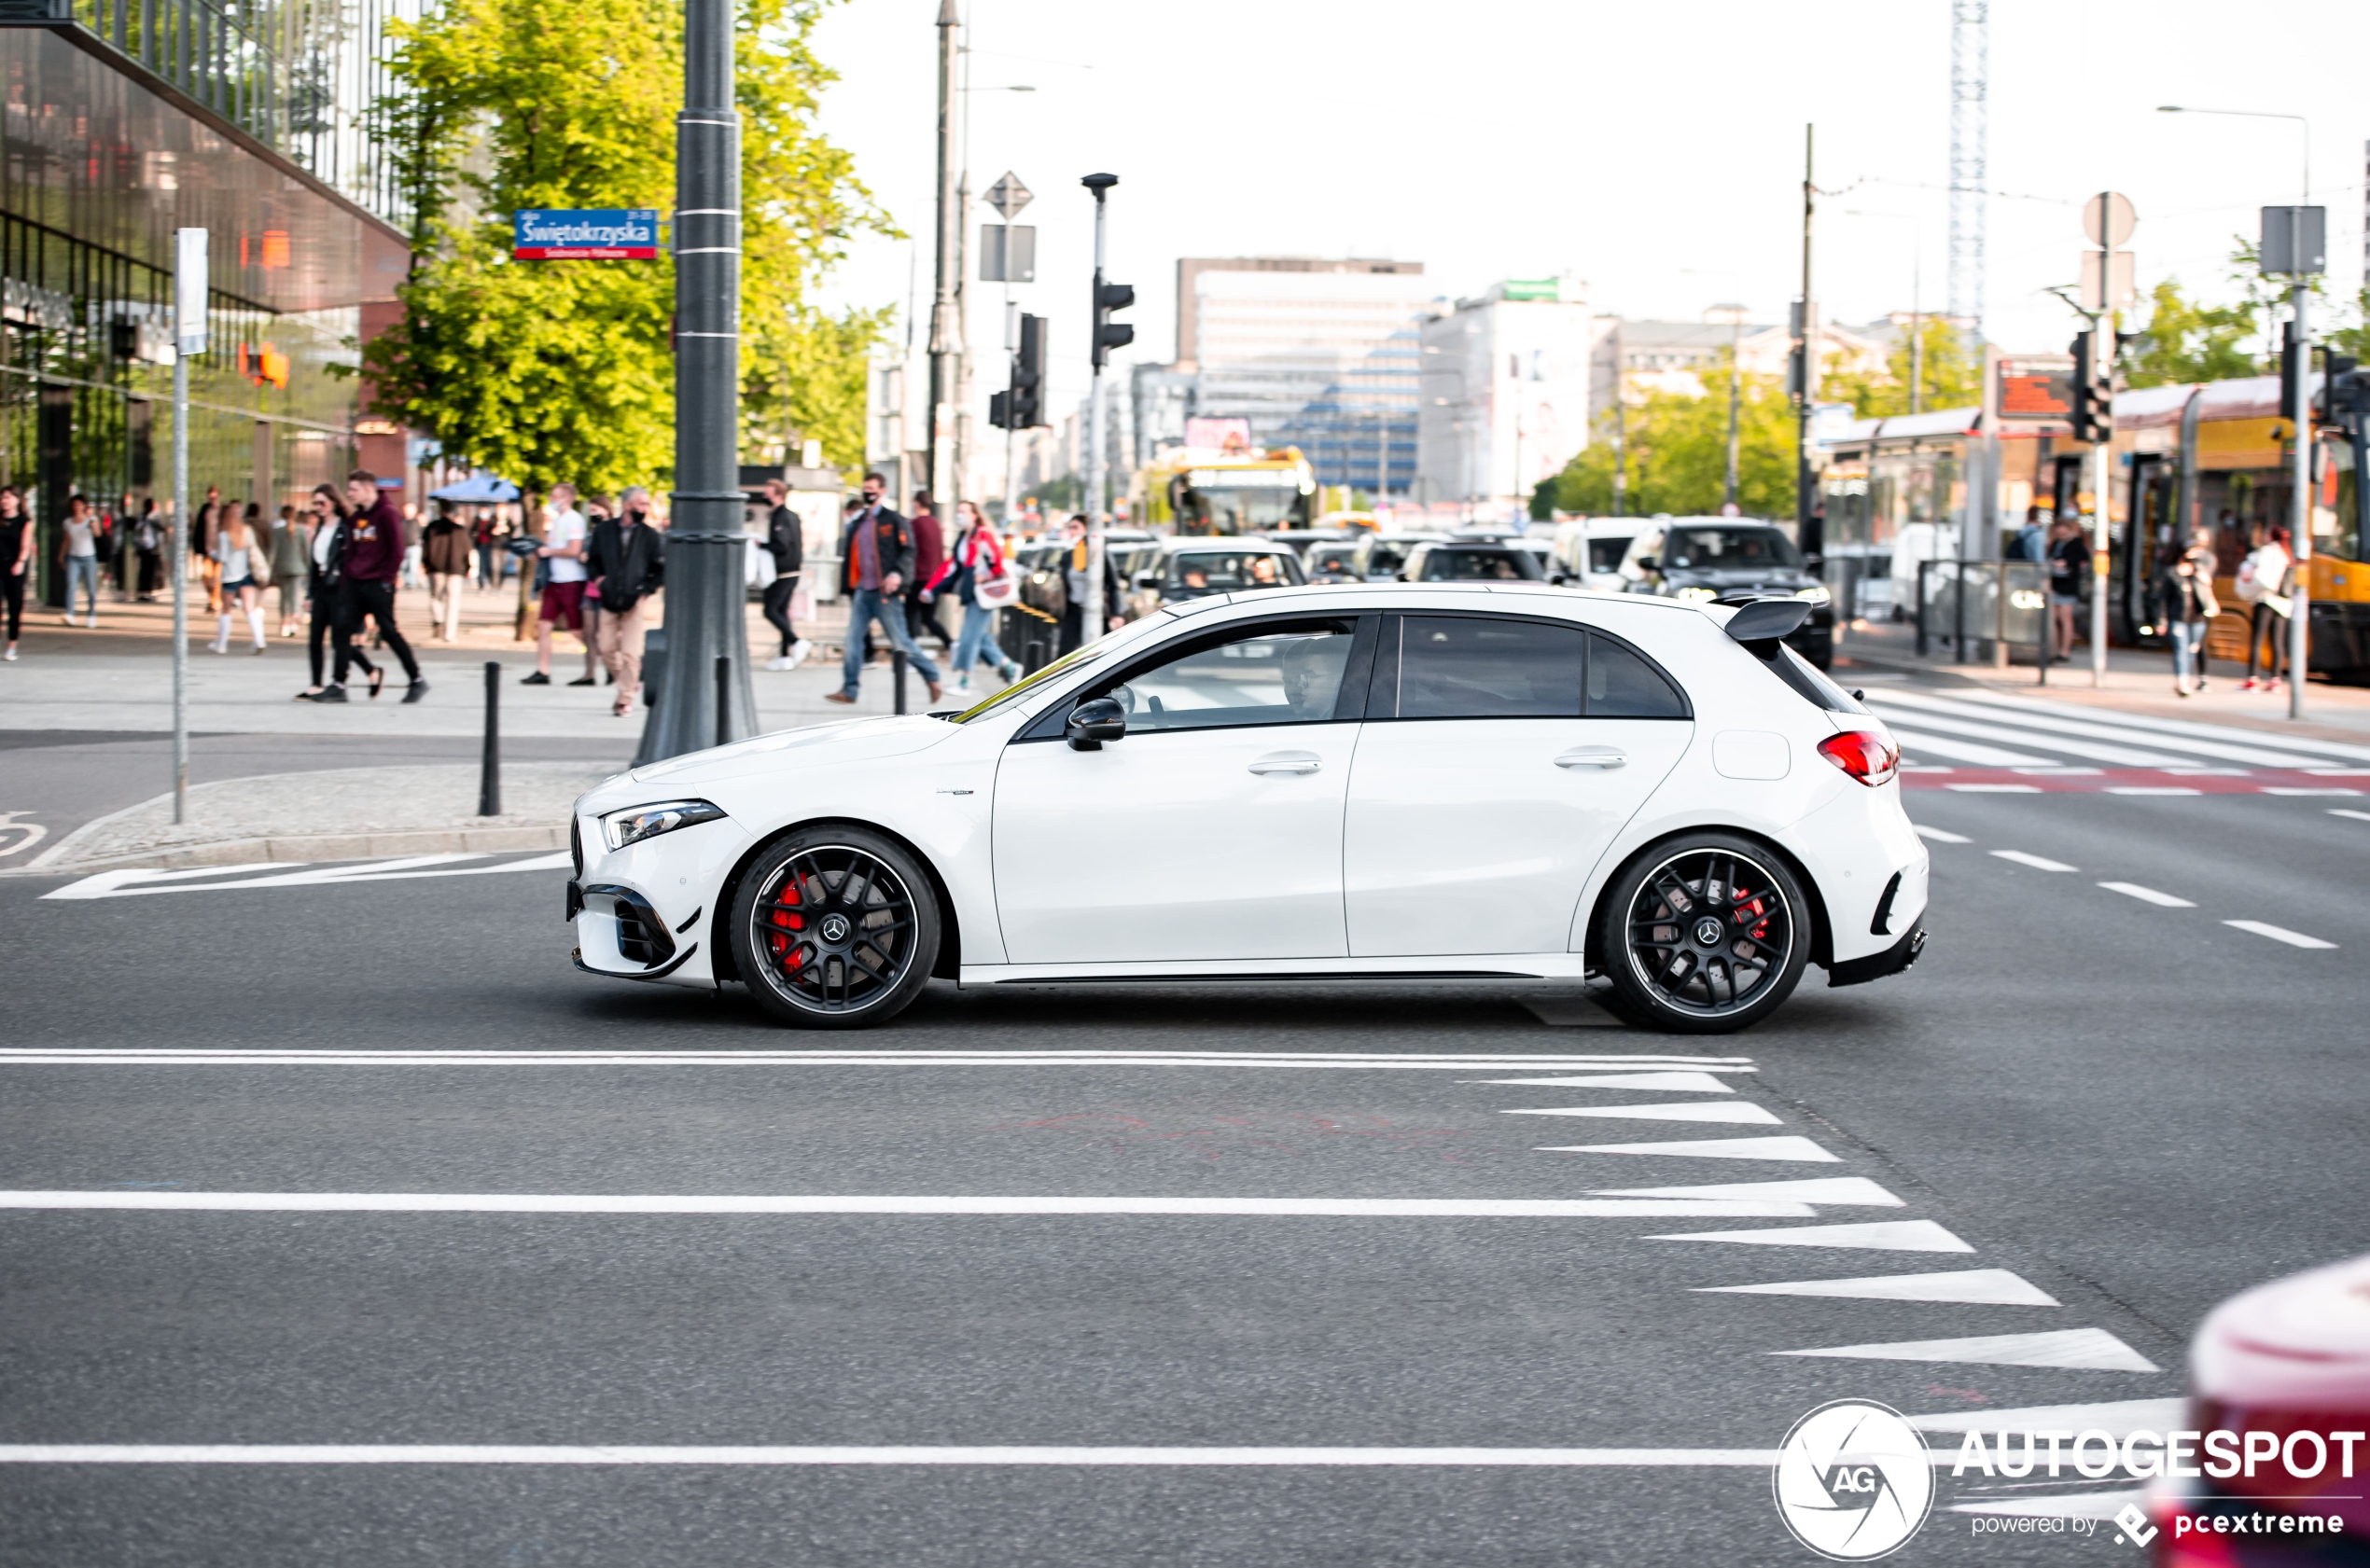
[1987, 1287]
[1892, 706]
[2039, 863]
[1940, 836]
[2278, 789]
[2092, 1350]
[2118, 1418]
[2147, 895]
[1669, 1083]
[1742, 1111]
[132, 884]
[1994, 788]
[2086, 1504]
[2168, 726]
[630, 1203]
[623, 1454]
[144, 1057]
[1961, 751]
[2102, 728]
[1885, 1235]
[2151, 789]
[2279, 934]
[2342, 811]
[1841, 1192]
[1801, 1149]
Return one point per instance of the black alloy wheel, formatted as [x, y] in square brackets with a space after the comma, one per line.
[1703, 935]
[835, 928]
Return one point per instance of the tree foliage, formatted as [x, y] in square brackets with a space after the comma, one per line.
[1678, 453]
[546, 371]
[1949, 375]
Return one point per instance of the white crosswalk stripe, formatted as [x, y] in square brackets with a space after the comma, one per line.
[2091, 751]
[2035, 727]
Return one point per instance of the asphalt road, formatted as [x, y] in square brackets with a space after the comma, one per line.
[2133, 1108]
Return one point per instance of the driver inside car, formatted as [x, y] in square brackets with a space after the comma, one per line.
[1313, 676]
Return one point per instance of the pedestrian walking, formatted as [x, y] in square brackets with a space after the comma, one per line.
[203, 564]
[628, 563]
[481, 537]
[290, 577]
[238, 556]
[2184, 590]
[930, 554]
[2069, 586]
[15, 554]
[978, 578]
[877, 556]
[2264, 581]
[2032, 541]
[1074, 588]
[368, 569]
[560, 558]
[78, 553]
[444, 550]
[411, 544]
[785, 542]
[325, 555]
[147, 538]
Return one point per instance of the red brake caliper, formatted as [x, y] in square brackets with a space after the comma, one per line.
[788, 921]
[1753, 916]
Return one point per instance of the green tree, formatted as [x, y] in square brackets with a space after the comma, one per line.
[2184, 340]
[1941, 363]
[545, 371]
[1678, 453]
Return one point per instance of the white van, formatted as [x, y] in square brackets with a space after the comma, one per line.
[1588, 551]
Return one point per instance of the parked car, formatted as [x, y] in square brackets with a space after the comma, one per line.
[1731, 561]
[1461, 560]
[1332, 562]
[1177, 571]
[1367, 780]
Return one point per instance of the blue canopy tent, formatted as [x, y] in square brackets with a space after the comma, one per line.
[480, 490]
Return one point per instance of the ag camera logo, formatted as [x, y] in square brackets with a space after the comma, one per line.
[1852, 1481]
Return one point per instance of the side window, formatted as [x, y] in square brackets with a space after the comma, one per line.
[1271, 677]
[1469, 667]
[1620, 685]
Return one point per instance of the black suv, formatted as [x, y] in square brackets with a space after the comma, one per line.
[1724, 561]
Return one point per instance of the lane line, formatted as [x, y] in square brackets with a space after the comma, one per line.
[2279, 934]
[632, 1203]
[2147, 895]
[1940, 836]
[1790, 1149]
[2342, 811]
[1738, 1111]
[2092, 1350]
[135, 1057]
[624, 1454]
[1970, 1287]
[2151, 789]
[2039, 863]
[1962, 751]
[2278, 789]
[1887, 1235]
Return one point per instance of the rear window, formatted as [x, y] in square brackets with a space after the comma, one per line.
[1812, 683]
[1706, 548]
[1198, 571]
[1480, 565]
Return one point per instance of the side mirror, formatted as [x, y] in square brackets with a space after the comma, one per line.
[1148, 580]
[1649, 563]
[1092, 723]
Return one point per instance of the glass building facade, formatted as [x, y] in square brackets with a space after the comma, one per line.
[121, 120]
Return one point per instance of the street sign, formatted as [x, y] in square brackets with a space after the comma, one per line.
[1008, 253]
[2108, 218]
[2106, 280]
[2280, 238]
[2036, 387]
[189, 281]
[1008, 196]
[586, 234]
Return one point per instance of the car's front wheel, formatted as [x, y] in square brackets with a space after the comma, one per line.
[835, 928]
[1702, 933]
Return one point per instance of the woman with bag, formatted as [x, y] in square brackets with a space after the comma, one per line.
[2264, 583]
[2185, 589]
[325, 553]
[976, 571]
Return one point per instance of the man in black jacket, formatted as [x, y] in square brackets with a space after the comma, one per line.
[877, 556]
[628, 563]
[787, 547]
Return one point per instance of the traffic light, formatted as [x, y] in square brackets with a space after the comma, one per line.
[2094, 391]
[2287, 368]
[2345, 388]
[1024, 407]
[1109, 334]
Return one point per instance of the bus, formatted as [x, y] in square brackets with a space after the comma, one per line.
[1202, 490]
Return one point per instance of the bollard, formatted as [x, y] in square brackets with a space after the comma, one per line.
[1034, 658]
[723, 698]
[897, 666]
[490, 764]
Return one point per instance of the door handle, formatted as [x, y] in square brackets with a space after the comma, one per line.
[1593, 757]
[1287, 762]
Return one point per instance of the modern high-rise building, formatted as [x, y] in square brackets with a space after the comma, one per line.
[126, 119]
[1505, 393]
[1317, 354]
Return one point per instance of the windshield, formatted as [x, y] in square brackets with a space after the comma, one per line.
[1194, 573]
[1604, 555]
[1076, 658]
[1706, 549]
[1242, 510]
[1385, 557]
[1442, 565]
[1332, 558]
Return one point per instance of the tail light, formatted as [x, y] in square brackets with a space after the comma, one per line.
[1866, 755]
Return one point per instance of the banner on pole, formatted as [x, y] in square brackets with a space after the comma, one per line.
[586, 234]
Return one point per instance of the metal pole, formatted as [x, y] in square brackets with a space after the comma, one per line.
[2102, 354]
[191, 277]
[706, 597]
[1736, 393]
[1091, 619]
[1803, 497]
[490, 760]
[897, 661]
[2300, 508]
[945, 329]
[723, 697]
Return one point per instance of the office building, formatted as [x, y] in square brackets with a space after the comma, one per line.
[1505, 394]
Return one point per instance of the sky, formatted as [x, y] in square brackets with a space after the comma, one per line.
[1655, 151]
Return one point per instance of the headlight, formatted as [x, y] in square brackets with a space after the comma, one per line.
[637, 823]
[1697, 595]
[1816, 595]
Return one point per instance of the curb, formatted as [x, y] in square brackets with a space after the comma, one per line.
[299, 849]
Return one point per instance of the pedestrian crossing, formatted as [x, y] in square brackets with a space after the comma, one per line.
[1988, 741]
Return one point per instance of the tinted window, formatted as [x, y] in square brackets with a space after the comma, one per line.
[1466, 667]
[1197, 572]
[1385, 557]
[1273, 677]
[1704, 548]
[1604, 555]
[1442, 565]
[1621, 684]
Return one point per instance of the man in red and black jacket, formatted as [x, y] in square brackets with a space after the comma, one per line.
[372, 561]
[877, 561]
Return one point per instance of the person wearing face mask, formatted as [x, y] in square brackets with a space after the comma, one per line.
[627, 559]
[877, 552]
[373, 561]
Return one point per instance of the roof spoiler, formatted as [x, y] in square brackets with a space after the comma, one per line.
[1762, 624]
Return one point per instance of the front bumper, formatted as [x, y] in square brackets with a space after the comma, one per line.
[644, 913]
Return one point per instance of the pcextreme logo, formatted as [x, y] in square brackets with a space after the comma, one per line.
[1852, 1481]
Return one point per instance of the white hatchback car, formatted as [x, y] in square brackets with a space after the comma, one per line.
[1377, 781]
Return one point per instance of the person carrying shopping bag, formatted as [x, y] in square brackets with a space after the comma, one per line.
[977, 575]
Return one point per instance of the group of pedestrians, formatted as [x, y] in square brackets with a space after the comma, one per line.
[598, 575]
[897, 571]
[354, 563]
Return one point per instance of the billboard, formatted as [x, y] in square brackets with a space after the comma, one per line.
[586, 234]
[2035, 386]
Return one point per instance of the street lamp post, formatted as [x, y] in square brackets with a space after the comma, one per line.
[1090, 620]
[705, 592]
[1734, 316]
[2299, 412]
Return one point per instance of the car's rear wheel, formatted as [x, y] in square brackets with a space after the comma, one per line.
[835, 928]
[1704, 934]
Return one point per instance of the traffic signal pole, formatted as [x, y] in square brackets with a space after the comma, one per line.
[1103, 338]
[2300, 506]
